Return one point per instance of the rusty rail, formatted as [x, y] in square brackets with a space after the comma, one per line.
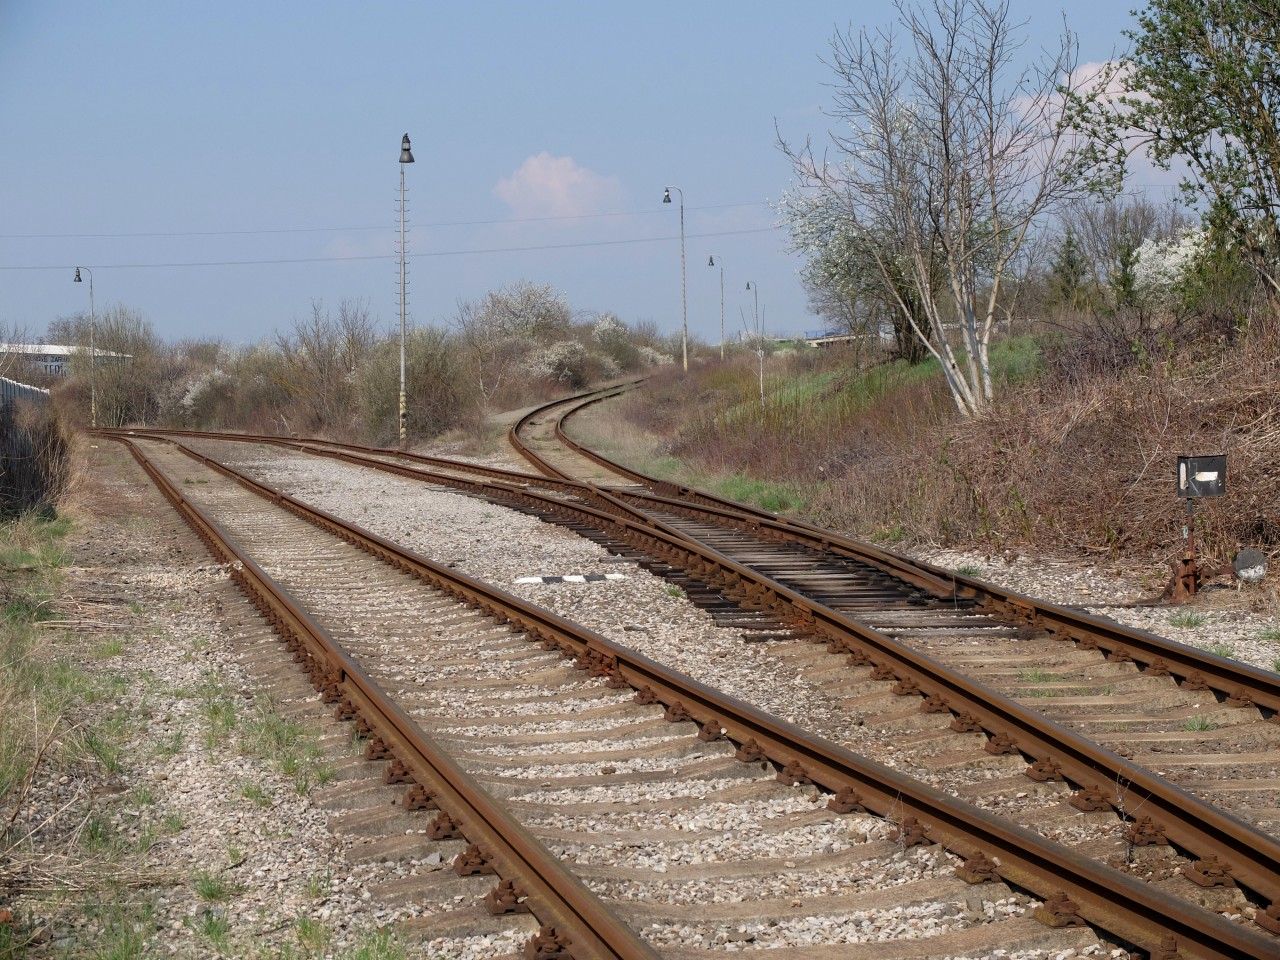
[1196, 669]
[1074, 886]
[1103, 778]
[572, 917]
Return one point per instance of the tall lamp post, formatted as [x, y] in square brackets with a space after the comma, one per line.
[684, 294]
[711, 262]
[93, 351]
[406, 157]
[759, 332]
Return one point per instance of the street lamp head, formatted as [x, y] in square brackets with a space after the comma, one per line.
[711, 260]
[405, 155]
[748, 284]
[76, 278]
[666, 195]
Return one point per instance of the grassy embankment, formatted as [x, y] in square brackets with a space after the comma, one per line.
[1072, 457]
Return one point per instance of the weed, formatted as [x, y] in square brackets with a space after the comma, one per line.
[171, 745]
[1275, 665]
[288, 745]
[968, 570]
[109, 648]
[211, 926]
[99, 835]
[1037, 676]
[312, 934]
[1199, 724]
[235, 855]
[318, 885]
[1187, 619]
[254, 793]
[1270, 635]
[218, 709]
[890, 535]
[672, 590]
[1221, 650]
[380, 946]
[172, 823]
[212, 887]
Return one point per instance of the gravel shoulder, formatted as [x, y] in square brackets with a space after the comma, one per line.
[196, 832]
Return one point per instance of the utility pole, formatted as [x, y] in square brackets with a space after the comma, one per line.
[711, 262]
[93, 350]
[406, 157]
[684, 286]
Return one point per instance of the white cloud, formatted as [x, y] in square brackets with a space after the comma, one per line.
[547, 186]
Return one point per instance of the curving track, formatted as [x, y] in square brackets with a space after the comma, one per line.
[298, 565]
[683, 534]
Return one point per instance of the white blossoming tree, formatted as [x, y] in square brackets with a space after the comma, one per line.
[946, 157]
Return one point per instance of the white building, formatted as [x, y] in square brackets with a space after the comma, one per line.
[54, 358]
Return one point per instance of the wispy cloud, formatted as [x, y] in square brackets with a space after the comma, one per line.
[549, 186]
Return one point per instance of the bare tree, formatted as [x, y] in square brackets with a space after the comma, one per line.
[319, 361]
[953, 154]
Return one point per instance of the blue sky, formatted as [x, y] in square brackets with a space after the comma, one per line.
[130, 117]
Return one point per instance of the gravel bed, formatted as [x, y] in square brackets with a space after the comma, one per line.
[599, 768]
[506, 944]
[1241, 623]
[641, 612]
[811, 840]
[905, 922]
[694, 789]
[571, 746]
[907, 866]
[192, 804]
[721, 815]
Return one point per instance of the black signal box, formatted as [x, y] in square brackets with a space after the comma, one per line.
[1202, 476]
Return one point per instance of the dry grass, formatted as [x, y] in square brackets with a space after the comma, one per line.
[1062, 463]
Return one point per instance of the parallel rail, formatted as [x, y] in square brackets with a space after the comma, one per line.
[571, 915]
[1195, 669]
[1251, 856]
[1074, 886]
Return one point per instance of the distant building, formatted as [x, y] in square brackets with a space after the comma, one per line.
[54, 358]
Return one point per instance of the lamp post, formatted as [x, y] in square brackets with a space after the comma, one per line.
[406, 157]
[93, 351]
[755, 292]
[684, 296]
[711, 262]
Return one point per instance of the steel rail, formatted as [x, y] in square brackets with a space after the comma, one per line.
[573, 918]
[1238, 683]
[1127, 908]
[1251, 857]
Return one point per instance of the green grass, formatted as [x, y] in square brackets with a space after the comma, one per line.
[1199, 724]
[255, 794]
[213, 888]
[109, 648]
[1038, 676]
[1270, 635]
[671, 590]
[968, 570]
[1187, 620]
[312, 935]
[288, 745]
[379, 946]
[1221, 650]
[774, 497]
[212, 927]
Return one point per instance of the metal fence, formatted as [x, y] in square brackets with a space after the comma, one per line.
[12, 391]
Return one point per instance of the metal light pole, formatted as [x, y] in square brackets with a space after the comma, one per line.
[755, 291]
[711, 262]
[684, 290]
[93, 350]
[405, 157]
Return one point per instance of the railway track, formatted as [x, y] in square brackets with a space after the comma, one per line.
[1223, 852]
[588, 771]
